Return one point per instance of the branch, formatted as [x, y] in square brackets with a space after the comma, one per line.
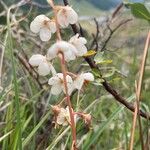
[112, 31]
[106, 85]
[117, 10]
[95, 37]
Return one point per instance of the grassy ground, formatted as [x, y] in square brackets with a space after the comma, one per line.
[25, 112]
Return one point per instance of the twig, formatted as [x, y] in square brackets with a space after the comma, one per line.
[145, 52]
[117, 10]
[24, 62]
[112, 31]
[138, 93]
[143, 64]
[95, 37]
[106, 85]
[134, 119]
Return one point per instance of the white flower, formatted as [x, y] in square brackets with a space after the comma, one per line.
[66, 15]
[40, 61]
[57, 83]
[79, 43]
[44, 26]
[79, 81]
[63, 118]
[68, 50]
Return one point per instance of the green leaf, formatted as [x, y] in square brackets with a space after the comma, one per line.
[110, 73]
[100, 59]
[96, 72]
[28, 138]
[109, 61]
[139, 11]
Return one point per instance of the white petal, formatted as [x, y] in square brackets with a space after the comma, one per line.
[52, 69]
[88, 76]
[41, 18]
[82, 40]
[35, 27]
[53, 80]
[70, 88]
[35, 60]
[78, 82]
[62, 18]
[79, 42]
[69, 79]
[81, 49]
[36, 24]
[43, 69]
[68, 49]
[69, 85]
[60, 76]
[45, 34]
[52, 51]
[69, 55]
[56, 89]
[72, 16]
[52, 26]
[60, 119]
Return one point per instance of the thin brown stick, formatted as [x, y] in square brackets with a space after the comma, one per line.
[143, 64]
[134, 120]
[138, 92]
[145, 52]
[117, 10]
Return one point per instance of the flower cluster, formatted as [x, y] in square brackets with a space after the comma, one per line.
[67, 50]
[57, 82]
[62, 116]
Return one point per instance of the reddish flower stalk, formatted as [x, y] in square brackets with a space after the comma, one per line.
[64, 71]
[73, 127]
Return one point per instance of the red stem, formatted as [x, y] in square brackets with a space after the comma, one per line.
[73, 127]
[64, 71]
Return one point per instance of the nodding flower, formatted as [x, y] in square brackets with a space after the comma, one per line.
[79, 43]
[57, 83]
[40, 61]
[63, 117]
[66, 15]
[43, 26]
[80, 79]
[64, 47]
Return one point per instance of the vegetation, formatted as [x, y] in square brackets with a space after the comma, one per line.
[115, 43]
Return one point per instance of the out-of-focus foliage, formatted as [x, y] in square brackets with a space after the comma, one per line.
[139, 11]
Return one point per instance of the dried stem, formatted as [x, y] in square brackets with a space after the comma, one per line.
[138, 93]
[134, 120]
[143, 64]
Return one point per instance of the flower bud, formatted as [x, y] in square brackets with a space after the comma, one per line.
[87, 119]
[56, 109]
